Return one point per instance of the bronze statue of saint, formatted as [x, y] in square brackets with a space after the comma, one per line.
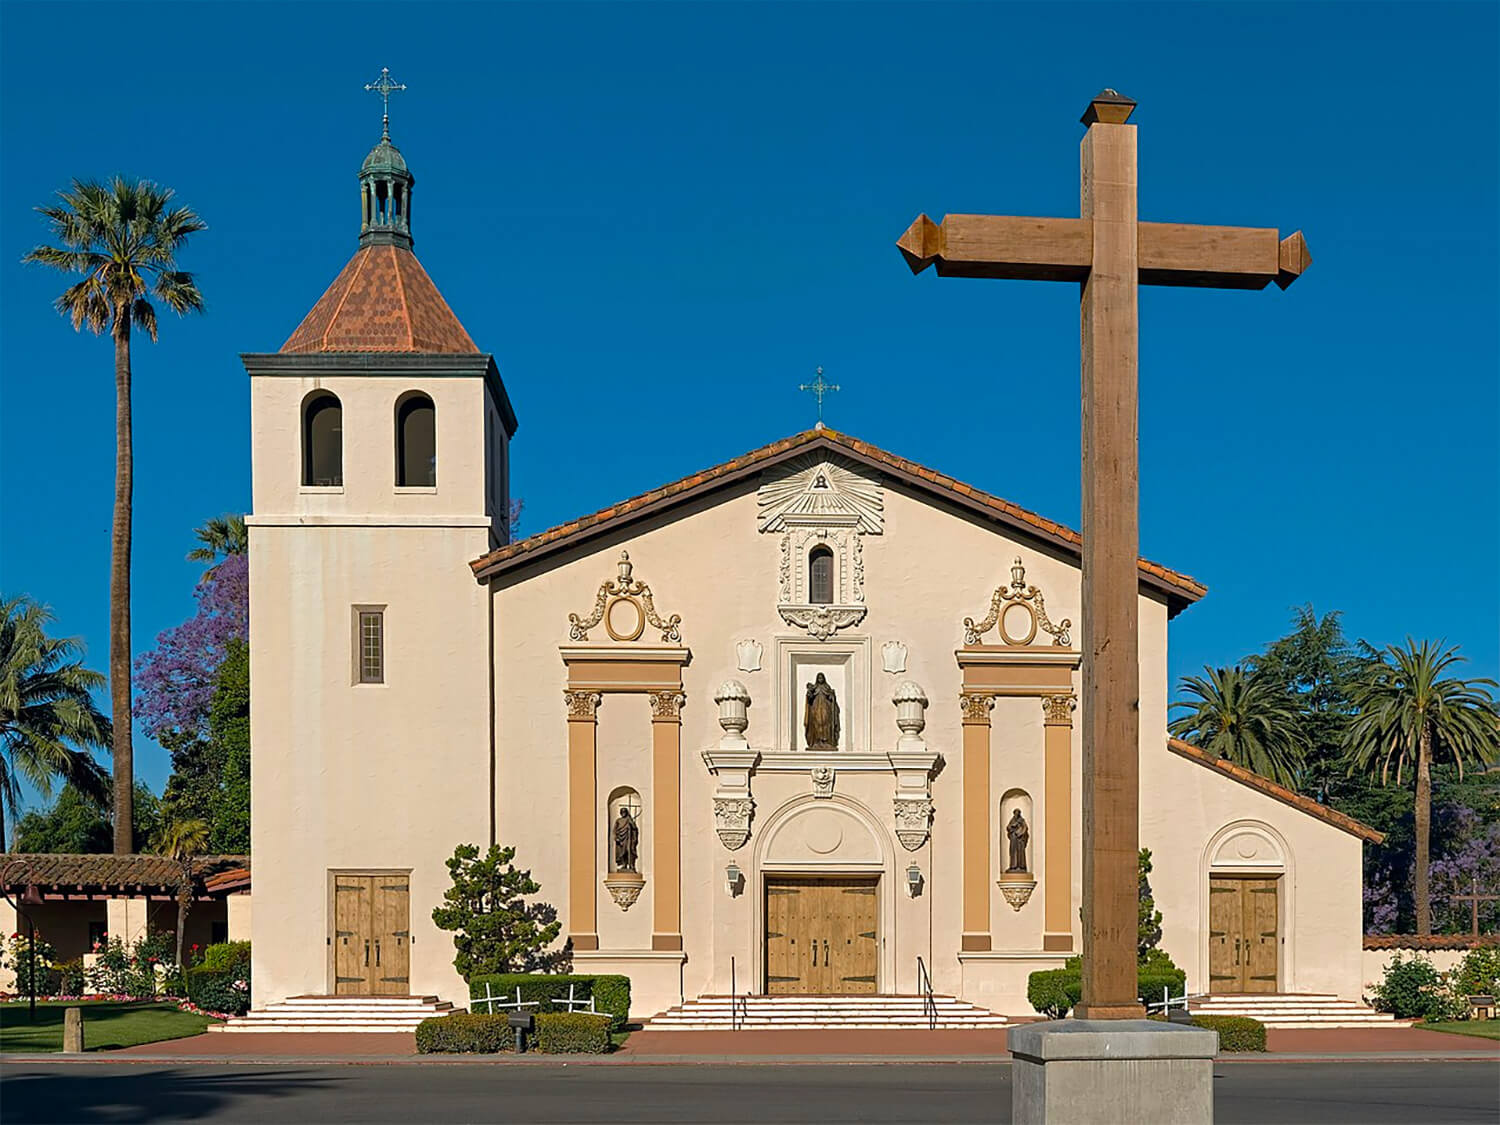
[627, 841]
[1019, 835]
[820, 721]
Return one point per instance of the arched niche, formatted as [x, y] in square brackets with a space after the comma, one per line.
[623, 796]
[1011, 802]
[1247, 846]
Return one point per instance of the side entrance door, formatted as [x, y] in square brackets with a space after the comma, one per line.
[371, 935]
[821, 936]
[1244, 934]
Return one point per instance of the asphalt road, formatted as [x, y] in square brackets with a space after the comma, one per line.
[1322, 1093]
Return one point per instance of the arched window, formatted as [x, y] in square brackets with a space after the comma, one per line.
[322, 440]
[820, 576]
[416, 442]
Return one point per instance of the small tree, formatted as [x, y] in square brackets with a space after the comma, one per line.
[1148, 927]
[183, 841]
[494, 929]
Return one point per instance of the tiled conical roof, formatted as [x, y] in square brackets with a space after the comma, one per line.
[382, 301]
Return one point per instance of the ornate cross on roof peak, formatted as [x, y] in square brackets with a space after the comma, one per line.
[385, 87]
[819, 387]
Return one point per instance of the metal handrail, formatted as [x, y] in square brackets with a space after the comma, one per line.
[924, 987]
[736, 1012]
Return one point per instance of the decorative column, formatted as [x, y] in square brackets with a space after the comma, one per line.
[731, 764]
[913, 764]
[976, 912]
[666, 802]
[1057, 848]
[583, 786]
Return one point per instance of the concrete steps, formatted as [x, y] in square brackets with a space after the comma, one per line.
[786, 1013]
[1294, 1010]
[342, 1014]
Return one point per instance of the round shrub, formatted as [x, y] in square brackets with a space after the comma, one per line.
[465, 1033]
[1236, 1033]
[1412, 990]
[572, 1033]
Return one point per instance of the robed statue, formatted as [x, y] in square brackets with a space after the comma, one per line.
[627, 841]
[820, 720]
[1019, 835]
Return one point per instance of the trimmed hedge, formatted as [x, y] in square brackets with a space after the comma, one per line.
[572, 1033]
[228, 957]
[1055, 992]
[1236, 1033]
[610, 993]
[465, 1033]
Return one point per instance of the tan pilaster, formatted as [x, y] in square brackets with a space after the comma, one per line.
[1057, 796]
[976, 752]
[1111, 661]
[666, 818]
[583, 729]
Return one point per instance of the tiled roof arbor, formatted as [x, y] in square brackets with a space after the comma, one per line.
[1179, 590]
[60, 875]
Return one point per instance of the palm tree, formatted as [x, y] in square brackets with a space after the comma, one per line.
[1243, 717]
[183, 841]
[48, 721]
[1407, 713]
[222, 535]
[123, 237]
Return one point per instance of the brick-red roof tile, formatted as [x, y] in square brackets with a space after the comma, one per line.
[381, 301]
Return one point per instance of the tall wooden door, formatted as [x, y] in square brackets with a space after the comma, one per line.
[371, 935]
[1244, 934]
[821, 936]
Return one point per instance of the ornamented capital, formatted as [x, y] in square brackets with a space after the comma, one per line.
[913, 820]
[582, 704]
[1058, 709]
[977, 707]
[732, 820]
[666, 704]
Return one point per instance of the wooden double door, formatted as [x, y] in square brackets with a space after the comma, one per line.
[1244, 934]
[821, 936]
[371, 935]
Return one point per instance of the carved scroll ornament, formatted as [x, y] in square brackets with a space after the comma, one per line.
[637, 596]
[1029, 599]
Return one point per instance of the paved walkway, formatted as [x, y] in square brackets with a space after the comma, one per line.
[1360, 1040]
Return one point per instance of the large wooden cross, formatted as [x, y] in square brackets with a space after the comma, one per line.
[1110, 254]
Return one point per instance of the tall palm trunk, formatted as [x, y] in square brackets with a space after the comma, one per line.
[3, 848]
[184, 902]
[119, 593]
[1424, 827]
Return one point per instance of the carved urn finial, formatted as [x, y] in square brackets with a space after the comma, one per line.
[625, 568]
[1018, 574]
[911, 711]
[733, 699]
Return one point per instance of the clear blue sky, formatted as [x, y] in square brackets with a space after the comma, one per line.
[687, 208]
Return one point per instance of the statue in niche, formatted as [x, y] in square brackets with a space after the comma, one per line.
[820, 721]
[627, 841]
[1019, 835]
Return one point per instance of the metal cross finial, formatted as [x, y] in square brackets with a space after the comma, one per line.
[385, 87]
[819, 387]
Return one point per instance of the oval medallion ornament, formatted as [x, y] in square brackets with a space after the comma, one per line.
[1017, 613]
[623, 619]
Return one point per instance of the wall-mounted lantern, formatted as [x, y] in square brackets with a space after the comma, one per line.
[733, 879]
[913, 880]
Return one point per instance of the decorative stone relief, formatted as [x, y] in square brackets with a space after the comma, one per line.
[822, 779]
[976, 706]
[625, 607]
[1057, 710]
[893, 657]
[624, 887]
[796, 607]
[1028, 604]
[582, 704]
[1017, 892]
[749, 653]
[732, 820]
[815, 488]
[913, 821]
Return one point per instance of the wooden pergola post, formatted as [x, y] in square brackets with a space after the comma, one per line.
[1110, 253]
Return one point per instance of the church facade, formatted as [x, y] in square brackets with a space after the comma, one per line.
[803, 722]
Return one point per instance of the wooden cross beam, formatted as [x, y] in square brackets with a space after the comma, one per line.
[1110, 254]
[1474, 898]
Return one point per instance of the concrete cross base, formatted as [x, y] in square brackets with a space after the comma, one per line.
[1101, 1072]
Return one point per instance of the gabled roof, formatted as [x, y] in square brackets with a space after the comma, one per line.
[1281, 793]
[1179, 590]
[381, 301]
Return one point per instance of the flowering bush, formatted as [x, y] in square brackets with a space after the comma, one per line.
[17, 958]
[140, 972]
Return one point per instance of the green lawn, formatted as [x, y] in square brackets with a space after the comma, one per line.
[106, 1024]
[1484, 1029]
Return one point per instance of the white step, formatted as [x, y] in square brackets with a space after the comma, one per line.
[717, 1013]
[1295, 1010]
[361, 1014]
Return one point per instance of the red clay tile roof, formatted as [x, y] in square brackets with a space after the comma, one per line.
[1429, 941]
[1183, 589]
[232, 879]
[382, 301]
[65, 870]
[1271, 789]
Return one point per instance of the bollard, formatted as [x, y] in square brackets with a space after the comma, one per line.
[73, 1031]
